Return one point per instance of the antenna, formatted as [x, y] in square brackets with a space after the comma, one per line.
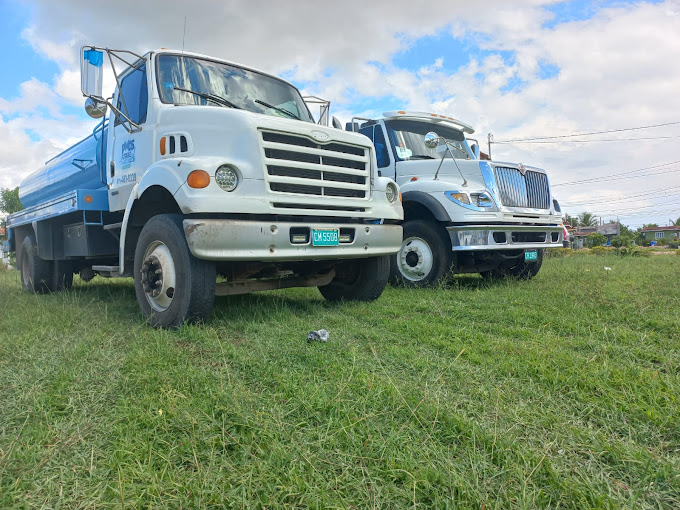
[184, 33]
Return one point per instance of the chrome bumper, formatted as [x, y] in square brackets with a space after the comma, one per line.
[504, 237]
[272, 241]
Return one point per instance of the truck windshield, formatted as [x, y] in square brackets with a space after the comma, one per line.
[407, 137]
[247, 90]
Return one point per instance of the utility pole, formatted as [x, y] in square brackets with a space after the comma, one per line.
[489, 140]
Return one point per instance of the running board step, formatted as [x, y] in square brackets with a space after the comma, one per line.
[114, 226]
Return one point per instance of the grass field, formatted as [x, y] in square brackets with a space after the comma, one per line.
[559, 392]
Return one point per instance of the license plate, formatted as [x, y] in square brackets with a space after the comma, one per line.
[530, 255]
[325, 236]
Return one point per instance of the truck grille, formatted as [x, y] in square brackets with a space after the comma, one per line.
[530, 190]
[298, 165]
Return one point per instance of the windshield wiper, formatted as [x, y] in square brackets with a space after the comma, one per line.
[282, 110]
[420, 156]
[211, 97]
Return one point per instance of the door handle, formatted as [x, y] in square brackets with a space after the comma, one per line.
[113, 169]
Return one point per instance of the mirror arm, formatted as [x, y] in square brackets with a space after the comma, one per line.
[134, 127]
[441, 161]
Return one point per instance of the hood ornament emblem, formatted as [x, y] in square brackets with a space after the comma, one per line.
[320, 136]
[522, 169]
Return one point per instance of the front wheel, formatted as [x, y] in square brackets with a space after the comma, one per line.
[172, 285]
[424, 257]
[358, 280]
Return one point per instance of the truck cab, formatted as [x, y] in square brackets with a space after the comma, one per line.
[203, 167]
[462, 214]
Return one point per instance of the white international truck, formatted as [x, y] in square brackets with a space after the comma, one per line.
[205, 169]
[461, 214]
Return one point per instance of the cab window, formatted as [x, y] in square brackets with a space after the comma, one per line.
[134, 91]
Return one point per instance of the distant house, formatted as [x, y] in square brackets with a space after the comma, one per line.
[656, 233]
[609, 230]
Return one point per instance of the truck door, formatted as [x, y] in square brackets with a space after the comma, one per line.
[130, 153]
[382, 153]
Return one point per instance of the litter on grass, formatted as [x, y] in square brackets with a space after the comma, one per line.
[317, 336]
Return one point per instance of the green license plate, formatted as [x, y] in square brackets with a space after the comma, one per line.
[325, 236]
[530, 255]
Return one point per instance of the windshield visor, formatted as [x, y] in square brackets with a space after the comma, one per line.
[235, 84]
[408, 140]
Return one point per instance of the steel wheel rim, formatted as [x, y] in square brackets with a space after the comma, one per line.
[158, 287]
[419, 268]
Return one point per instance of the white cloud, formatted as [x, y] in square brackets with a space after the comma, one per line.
[615, 69]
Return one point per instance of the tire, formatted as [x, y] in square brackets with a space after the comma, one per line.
[425, 255]
[522, 270]
[37, 275]
[184, 289]
[358, 280]
[62, 275]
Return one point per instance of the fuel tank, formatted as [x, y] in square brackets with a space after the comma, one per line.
[78, 167]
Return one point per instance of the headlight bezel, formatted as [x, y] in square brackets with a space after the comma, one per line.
[392, 189]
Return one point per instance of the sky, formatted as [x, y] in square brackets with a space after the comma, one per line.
[540, 70]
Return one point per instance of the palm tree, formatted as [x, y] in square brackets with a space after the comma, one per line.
[586, 219]
[675, 223]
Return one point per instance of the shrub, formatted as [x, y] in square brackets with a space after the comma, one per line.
[626, 251]
[602, 250]
[595, 239]
[558, 253]
[622, 240]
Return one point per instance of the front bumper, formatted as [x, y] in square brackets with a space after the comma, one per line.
[504, 237]
[233, 240]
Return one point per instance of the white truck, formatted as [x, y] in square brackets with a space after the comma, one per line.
[461, 214]
[205, 169]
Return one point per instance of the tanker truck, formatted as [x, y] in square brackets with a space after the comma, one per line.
[202, 169]
[461, 214]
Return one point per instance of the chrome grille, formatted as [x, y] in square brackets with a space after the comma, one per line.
[298, 165]
[530, 190]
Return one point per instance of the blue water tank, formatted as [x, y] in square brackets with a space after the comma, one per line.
[78, 167]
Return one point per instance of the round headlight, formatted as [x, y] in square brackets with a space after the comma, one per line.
[391, 192]
[226, 178]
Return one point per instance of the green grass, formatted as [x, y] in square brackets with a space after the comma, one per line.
[559, 392]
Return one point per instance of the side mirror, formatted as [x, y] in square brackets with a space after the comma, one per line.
[431, 140]
[95, 109]
[336, 123]
[91, 72]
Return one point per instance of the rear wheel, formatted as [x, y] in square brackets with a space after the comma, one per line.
[424, 257]
[358, 280]
[37, 275]
[172, 285]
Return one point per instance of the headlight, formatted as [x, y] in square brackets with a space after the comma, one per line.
[226, 178]
[391, 192]
[481, 200]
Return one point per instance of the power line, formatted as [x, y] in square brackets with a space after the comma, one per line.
[588, 134]
[618, 175]
[623, 198]
[510, 142]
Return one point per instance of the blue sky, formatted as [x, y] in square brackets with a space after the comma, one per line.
[528, 69]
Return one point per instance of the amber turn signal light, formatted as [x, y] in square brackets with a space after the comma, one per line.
[163, 146]
[198, 179]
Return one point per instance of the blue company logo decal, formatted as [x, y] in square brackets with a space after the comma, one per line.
[127, 156]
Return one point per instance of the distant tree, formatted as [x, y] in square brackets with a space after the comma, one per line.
[675, 223]
[650, 225]
[586, 219]
[626, 231]
[9, 200]
[596, 239]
